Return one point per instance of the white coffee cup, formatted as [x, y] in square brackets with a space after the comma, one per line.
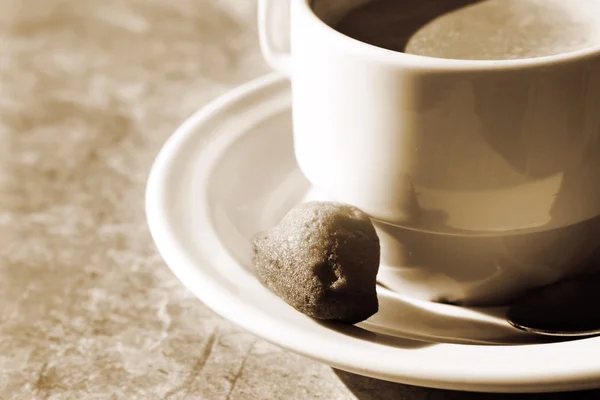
[446, 147]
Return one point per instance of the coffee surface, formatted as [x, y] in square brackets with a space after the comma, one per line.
[476, 30]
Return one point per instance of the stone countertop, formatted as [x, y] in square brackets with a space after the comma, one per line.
[89, 91]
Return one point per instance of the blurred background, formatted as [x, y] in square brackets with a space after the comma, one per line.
[89, 92]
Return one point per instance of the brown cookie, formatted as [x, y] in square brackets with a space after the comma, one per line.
[322, 259]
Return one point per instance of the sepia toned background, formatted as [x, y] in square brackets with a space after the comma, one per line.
[89, 91]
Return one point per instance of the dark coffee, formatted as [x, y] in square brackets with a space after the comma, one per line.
[476, 29]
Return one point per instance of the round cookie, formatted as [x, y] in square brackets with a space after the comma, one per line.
[322, 259]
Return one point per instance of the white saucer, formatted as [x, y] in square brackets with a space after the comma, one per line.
[229, 172]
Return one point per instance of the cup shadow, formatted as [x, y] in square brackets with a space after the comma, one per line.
[365, 388]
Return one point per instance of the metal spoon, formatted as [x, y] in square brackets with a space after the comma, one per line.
[568, 308]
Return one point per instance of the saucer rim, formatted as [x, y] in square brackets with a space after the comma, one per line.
[413, 366]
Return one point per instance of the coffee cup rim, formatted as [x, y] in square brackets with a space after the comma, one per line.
[448, 64]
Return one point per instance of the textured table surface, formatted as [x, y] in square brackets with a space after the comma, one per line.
[89, 91]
